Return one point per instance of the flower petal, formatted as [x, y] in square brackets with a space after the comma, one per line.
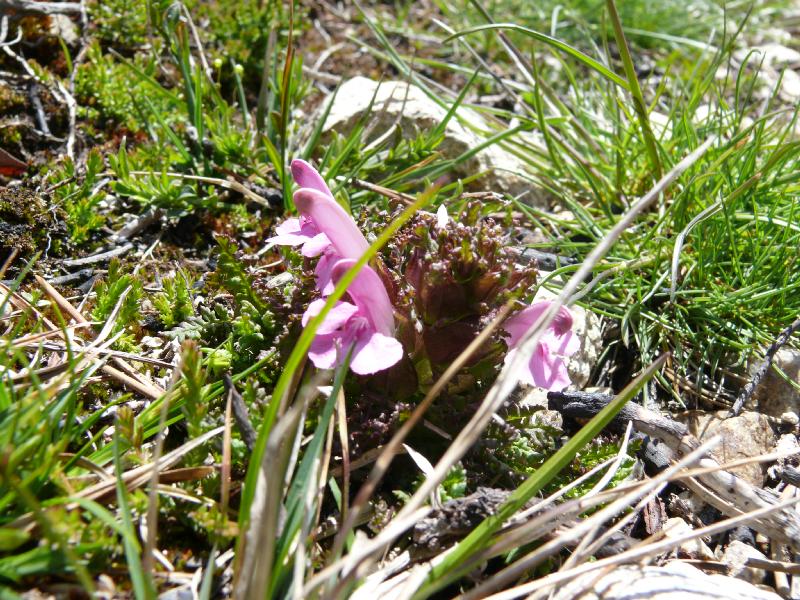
[518, 324]
[324, 351]
[316, 245]
[334, 320]
[547, 370]
[562, 323]
[375, 352]
[521, 373]
[369, 294]
[289, 233]
[289, 226]
[333, 221]
[307, 176]
[322, 272]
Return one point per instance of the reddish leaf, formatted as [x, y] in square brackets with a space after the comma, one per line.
[10, 165]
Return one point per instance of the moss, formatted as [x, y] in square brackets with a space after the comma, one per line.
[25, 221]
[10, 99]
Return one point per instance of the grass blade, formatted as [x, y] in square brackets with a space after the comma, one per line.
[636, 91]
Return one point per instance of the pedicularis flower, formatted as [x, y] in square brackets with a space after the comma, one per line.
[546, 367]
[324, 227]
[366, 326]
[326, 230]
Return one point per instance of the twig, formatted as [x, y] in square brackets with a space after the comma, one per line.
[392, 195]
[33, 94]
[48, 8]
[546, 261]
[70, 277]
[773, 565]
[136, 225]
[790, 475]
[750, 388]
[96, 258]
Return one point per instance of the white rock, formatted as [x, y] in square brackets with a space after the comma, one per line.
[149, 341]
[674, 581]
[398, 104]
[746, 436]
[787, 443]
[587, 327]
[736, 555]
[695, 549]
[776, 396]
[790, 86]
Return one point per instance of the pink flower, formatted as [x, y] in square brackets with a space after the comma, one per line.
[366, 326]
[546, 366]
[332, 220]
[306, 176]
[293, 232]
[324, 227]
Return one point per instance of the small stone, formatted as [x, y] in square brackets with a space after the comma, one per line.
[787, 443]
[746, 436]
[148, 341]
[695, 549]
[790, 86]
[743, 534]
[687, 506]
[790, 448]
[790, 418]
[774, 395]
[735, 557]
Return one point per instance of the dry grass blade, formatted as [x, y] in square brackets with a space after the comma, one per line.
[36, 338]
[259, 546]
[124, 373]
[642, 552]
[623, 502]
[152, 503]
[223, 183]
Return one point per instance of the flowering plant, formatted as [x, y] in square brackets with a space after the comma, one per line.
[364, 327]
[440, 282]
